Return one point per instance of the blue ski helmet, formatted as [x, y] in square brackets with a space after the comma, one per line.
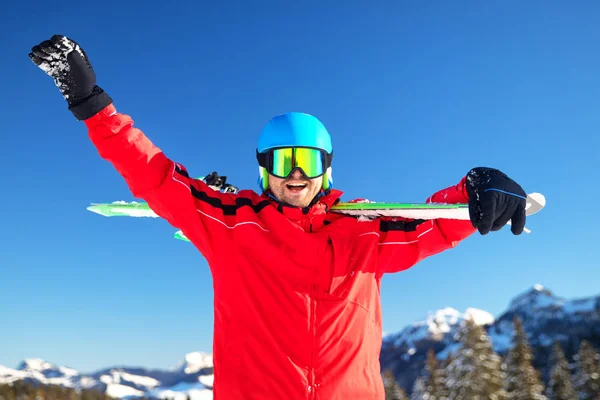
[294, 129]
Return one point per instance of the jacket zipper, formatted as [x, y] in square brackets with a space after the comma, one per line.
[313, 329]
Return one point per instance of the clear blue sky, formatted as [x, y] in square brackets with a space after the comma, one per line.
[413, 93]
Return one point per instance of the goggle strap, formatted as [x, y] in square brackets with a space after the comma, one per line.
[262, 159]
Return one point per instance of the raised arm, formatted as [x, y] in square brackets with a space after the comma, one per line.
[188, 204]
[185, 202]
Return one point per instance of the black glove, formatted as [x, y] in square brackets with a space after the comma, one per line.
[494, 199]
[66, 62]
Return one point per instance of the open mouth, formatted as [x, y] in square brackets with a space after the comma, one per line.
[296, 187]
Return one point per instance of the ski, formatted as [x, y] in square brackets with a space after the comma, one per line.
[535, 202]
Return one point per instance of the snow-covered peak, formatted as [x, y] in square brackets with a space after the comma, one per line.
[42, 371]
[438, 324]
[195, 361]
[45, 368]
[480, 317]
[535, 298]
[35, 364]
[442, 321]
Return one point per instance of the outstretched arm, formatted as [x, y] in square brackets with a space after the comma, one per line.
[494, 199]
[405, 242]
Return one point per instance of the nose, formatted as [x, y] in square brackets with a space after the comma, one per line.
[297, 174]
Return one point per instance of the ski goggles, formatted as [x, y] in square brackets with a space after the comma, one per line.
[283, 161]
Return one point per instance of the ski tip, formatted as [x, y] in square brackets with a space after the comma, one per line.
[538, 198]
[93, 208]
[180, 236]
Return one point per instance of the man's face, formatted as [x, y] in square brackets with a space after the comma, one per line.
[296, 190]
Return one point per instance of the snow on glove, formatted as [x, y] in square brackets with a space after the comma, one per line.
[494, 199]
[66, 62]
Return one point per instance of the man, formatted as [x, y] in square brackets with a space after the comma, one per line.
[296, 288]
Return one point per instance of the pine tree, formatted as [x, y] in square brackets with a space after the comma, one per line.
[560, 386]
[21, 390]
[393, 391]
[523, 381]
[476, 372]
[433, 381]
[418, 390]
[398, 394]
[587, 372]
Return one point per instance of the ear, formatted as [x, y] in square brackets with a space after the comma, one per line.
[263, 178]
[327, 179]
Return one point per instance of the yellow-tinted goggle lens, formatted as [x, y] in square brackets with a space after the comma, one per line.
[286, 160]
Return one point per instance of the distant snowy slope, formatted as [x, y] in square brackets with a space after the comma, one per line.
[191, 377]
[545, 316]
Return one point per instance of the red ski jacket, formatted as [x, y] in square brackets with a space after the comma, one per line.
[297, 310]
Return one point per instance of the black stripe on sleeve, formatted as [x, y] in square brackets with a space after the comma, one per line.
[406, 226]
[228, 209]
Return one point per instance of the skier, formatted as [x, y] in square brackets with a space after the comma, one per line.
[297, 310]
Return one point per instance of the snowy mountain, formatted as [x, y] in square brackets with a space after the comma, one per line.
[545, 316]
[193, 376]
[404, 352]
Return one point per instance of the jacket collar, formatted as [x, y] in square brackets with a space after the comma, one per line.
[320, 205]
